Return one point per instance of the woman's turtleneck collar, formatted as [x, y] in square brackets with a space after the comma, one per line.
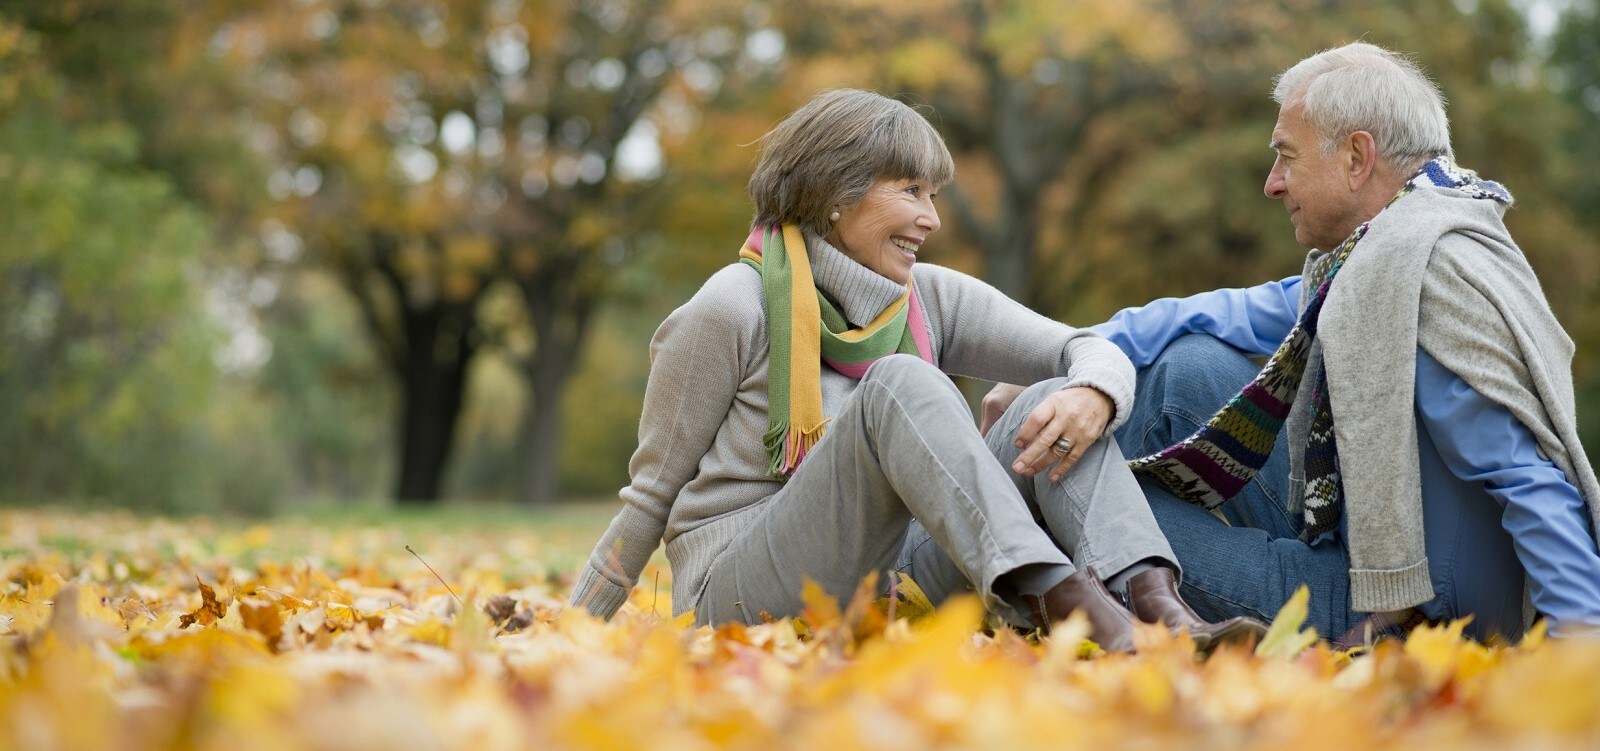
[860, 292]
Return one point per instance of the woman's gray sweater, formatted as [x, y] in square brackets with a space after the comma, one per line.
[700, 470]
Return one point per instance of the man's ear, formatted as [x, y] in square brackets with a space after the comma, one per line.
[1360, 159]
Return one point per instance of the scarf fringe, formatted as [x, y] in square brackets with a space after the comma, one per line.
[788, 446]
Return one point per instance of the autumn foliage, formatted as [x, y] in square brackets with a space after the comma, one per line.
[117, 633]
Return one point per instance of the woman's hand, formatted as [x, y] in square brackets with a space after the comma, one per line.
[1078, 414]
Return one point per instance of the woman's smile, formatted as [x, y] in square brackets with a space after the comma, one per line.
[885, 231]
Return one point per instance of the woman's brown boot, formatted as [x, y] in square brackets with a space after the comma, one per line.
[1110, 624]
[1153, 597]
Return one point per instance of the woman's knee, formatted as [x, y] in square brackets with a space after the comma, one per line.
[905, 384]
[905, 371]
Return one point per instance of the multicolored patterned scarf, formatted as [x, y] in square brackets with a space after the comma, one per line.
[805, 330]
[1216, 462]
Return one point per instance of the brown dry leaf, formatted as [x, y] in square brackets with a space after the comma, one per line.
[264, 618]
[500, 608]
[210, 611]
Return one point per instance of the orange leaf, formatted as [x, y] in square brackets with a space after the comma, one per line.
[210, 611]
[264, 618]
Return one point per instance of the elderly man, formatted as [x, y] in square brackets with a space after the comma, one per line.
[1410, 449]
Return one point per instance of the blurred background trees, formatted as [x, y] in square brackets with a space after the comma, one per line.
[460, 167]
[255, 252]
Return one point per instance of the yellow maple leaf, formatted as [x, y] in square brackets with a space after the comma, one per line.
[907, 601]
[431, 631]
[1284, 638]
[1549, 690]
[821, 610]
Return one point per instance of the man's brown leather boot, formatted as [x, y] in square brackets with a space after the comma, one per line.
[1153, 597]
[1110, 624]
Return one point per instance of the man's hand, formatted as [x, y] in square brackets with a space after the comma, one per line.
[1078, 414]
[995, 404]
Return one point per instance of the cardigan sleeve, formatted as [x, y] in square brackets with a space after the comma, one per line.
[985, 334]
[697, 360]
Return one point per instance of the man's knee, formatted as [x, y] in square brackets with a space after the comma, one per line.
[1005, 427]
[1032, 395]
[1194, 352]
[1196, 366]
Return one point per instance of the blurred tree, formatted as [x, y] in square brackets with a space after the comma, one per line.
[1575, 62]
[1017, 88]
[328, 398]
[105, 366]
[430, 151]
[143, 63]
[129, 326]
[1110, 152]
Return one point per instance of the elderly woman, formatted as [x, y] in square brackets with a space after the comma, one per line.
[798, 416]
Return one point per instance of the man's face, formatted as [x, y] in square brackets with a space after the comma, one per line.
[1315, 188]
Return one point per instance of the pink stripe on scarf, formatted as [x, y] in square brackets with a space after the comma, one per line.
[919, 327]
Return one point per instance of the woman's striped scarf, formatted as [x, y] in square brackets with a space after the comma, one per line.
[805, 330]
[1216, 462]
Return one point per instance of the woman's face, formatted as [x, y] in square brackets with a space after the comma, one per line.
[885, 230]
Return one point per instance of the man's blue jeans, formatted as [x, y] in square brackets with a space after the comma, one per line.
[1254, 561]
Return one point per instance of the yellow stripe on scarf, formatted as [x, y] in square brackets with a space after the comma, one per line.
[805, 348]
[883, 319]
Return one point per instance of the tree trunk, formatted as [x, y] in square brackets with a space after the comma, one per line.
[433, 381]
[1008, 264]
[539, 443]
[560, 316]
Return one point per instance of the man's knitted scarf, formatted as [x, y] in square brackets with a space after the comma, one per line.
[1215, 463]
[804, 330]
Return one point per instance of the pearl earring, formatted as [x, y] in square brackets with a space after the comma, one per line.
[834, 217]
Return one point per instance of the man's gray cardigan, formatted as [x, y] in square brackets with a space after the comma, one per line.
[1436, 270]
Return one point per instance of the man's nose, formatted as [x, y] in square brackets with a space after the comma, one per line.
[1275, 187]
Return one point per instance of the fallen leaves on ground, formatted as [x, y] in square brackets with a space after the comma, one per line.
[118, 633]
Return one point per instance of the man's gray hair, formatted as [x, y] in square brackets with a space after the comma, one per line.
[1365, 87]
[832, 149]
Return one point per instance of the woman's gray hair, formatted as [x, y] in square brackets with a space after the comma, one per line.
[830, 151]
[1365, 87]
